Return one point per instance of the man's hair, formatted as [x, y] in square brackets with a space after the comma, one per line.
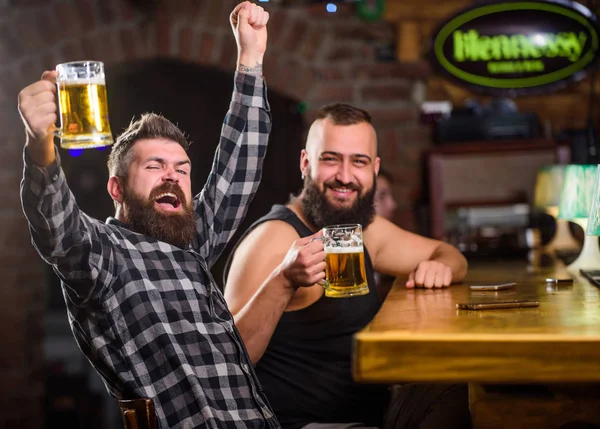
[343, 114]
[149, 126]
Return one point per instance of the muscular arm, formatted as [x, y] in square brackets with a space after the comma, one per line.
[398, 252]
[256, 291]
[269, 273]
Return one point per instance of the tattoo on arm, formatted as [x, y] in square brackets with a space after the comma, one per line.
[257, 69]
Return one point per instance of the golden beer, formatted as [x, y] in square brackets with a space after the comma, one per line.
[82, 104]
[345, 272]
[84, 115]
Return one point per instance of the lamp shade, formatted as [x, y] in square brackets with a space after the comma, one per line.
[593, 226]
[548, 186]
[576, 195]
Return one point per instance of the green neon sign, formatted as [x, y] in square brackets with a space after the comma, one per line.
[517, 45]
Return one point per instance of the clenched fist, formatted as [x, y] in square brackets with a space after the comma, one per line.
[38, 109]
[430, 274]
[304, 263]
[249, 24]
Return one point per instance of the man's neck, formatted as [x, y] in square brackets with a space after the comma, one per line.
[296, 207]
[119, 214]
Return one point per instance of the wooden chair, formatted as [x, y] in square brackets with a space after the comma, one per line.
[138, 413]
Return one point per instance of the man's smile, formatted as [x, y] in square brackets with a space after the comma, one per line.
[342, 192]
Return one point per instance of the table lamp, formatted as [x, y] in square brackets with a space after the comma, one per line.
[575, 204]
[593, 225]
[548, 186]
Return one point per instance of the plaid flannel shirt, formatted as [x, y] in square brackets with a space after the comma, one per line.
[148, 315]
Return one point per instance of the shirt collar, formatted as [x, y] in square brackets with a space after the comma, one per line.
[114, 221]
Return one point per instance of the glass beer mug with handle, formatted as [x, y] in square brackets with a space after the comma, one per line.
[82, 104]
[345, 261]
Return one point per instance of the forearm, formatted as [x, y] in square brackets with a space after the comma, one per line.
[257, 320]
[452, 258]
[237, 166]
[41, 153]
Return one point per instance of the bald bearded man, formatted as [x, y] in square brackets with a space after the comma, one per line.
[300, 340]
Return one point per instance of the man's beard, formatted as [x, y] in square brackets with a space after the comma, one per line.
[320, 212]
[177, 229]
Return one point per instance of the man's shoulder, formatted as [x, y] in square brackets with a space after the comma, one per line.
[270, 234]
[380, 227]
[272, 231]
[116, 233]
[269, 238]
[380, 231]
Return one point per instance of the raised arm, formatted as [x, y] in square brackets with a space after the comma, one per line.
[427, 262]
[237, 166]
[63, 236]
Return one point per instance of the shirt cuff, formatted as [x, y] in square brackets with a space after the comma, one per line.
[42, 178]
[250, 90]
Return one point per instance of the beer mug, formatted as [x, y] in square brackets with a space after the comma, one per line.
[345, 261]
[82, 104]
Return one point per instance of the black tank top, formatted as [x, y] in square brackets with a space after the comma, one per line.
[306, 370]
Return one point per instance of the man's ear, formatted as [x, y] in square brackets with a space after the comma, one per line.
[115, 189]
[376, 165]
[304, 163]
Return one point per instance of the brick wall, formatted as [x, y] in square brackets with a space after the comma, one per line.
[313, 56]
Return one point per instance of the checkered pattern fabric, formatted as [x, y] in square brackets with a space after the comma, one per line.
[148, 315]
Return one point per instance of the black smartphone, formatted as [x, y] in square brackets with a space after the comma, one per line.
[564, 281]
[493, 286]
[497, 305]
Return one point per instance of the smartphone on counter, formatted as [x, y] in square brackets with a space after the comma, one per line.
[560, 281]
[497, 305]
[493, 286]
[592, 275]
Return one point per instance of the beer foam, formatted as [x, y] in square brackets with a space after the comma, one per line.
[98, 80]
[353, 249]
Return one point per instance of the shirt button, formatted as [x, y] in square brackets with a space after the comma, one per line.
[245, 367]
[54, 177]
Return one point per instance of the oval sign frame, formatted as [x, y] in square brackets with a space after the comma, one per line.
[523, 85]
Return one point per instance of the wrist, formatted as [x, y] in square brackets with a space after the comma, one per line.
[286, 283]
[41, 152]
[250, 63]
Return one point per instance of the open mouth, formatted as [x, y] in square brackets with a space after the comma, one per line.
[168, 201]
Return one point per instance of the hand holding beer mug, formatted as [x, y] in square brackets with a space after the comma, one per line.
[345, 261]
[83, 106]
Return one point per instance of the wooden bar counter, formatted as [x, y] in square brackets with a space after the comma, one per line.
[420, 336]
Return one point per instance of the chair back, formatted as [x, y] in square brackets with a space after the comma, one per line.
[138, 413]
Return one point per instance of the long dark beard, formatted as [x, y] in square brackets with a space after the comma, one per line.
[176, 229]
[320, 212]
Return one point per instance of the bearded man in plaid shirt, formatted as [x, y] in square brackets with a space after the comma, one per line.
[142, 304]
